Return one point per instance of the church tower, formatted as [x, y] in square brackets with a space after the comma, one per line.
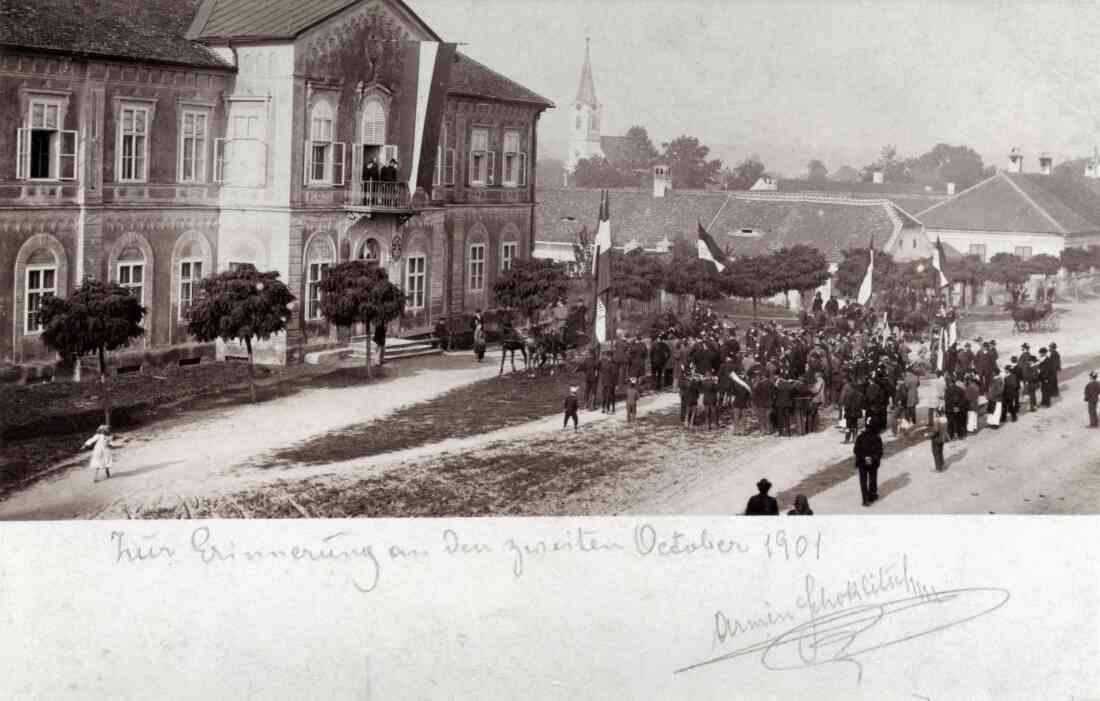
[584, 139]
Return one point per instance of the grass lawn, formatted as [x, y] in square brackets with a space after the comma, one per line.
[480, 407]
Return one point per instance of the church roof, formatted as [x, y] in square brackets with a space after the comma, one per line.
[150, 30]
[586, 91]
[272, 19]
[747, 223]
[475, 79]
[1021, 202]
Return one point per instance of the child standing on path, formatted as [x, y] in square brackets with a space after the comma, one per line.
[632, 400]
[570, 406]
[102, 458]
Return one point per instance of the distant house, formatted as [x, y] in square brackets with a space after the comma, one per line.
[1020, 213]
[743, 223]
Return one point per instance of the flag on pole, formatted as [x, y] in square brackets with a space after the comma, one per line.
[709, 250]
[865, 287]
[938, 258]
[942, 349]
[426, 73]
[953, 332]
[601, 266]
[738, 380]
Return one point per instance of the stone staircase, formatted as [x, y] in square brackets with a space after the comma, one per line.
[396, 348]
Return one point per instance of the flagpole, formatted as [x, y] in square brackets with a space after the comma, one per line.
[724, 203]
[595, 293]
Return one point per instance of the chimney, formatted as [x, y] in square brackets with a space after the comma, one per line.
[950, 189]
[1016, 158]
[878, 177]
[661, 181]
[1045, 162]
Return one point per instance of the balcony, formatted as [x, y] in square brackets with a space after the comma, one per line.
[375, 196]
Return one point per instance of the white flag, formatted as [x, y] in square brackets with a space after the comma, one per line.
[865, 287]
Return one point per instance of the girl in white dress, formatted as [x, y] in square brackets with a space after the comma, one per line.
[102, 458]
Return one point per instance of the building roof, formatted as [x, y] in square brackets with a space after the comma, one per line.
[271, 19]
[475, 79]
[829, 224]
[150, 30]
[1021, 202]
[586, 91]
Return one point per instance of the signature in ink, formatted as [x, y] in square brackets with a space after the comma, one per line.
[842, 636]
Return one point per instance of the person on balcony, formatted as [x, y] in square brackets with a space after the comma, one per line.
[370, 177]
[389, 171]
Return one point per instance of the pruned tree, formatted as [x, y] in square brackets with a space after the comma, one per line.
[752, 277]
[241, 305]
[1077, 261]
[636, 275]
[1012, 272]
[800, 268]
[971, 271]
[693, 276]
[359, 292]
[97, 317]
[531, 285]
[1044, 264]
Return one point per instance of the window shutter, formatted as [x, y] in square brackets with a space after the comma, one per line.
[522, 169]
[492, 155]
[66, 156]
[23, 148]
[356, 174]
[437, 170]
[449, 167]
[470, 175]
[339, 162]
[388, 151]
[308, 153]
[219, 160]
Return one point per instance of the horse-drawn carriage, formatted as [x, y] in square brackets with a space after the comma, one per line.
[554, 341]
[1041, 316]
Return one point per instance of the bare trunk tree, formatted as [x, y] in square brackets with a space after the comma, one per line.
[106, 389]
[251, 369]
[370, 340]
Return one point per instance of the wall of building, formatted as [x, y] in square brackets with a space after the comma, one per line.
[999, 242]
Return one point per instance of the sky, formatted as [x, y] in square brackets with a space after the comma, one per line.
[792, 81]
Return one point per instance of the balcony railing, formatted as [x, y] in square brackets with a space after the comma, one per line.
[378, 195]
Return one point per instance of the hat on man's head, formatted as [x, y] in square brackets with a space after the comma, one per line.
[1053, 345]
[1025, 346]
[764, 485]
[1092, 374]
[1042, 351]
[573, 390]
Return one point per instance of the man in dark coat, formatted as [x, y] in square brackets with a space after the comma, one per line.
[1046, 376]
[380, 341]
[1012, 391]
[609, 375]
[817, 304]
[763, 396]
[851, 400]
[984, 366]
[761, 504]
[659, 353]
[832, 306]
[1092, 395]
[371, 174]
[950, 359]
[1055, 368]
[389, 171]
[875, 399]
[955, 402]
[868, 451]
[621, 359]
[591, 379]
[784, 404]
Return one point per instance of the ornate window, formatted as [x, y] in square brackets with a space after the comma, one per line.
[41, 283]
[44, 150]
[482, 160]
[477, 267]
[324, 155]
[131, 272]
[133, 143]
[415, 281]
[320, 255]
[190, 275]
[508, 254]
[193, 145]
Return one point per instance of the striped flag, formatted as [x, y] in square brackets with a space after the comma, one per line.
[865, 287]
[426, 73]
[709, 250]
[938, 259]
[601, 266]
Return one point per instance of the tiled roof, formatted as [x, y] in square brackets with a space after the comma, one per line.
[829, 224]
[1021, 202]
[886, 189]
[269, 19]
[470, 77]
[149, 30]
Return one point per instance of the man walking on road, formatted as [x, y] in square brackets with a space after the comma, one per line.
[1092, 394]
[868, 450]
[939, 437]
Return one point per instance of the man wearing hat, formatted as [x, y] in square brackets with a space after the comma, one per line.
[984, 365]
[1055, 367]
[570, 406]
[1011, 394]
[1029, 372]
[1046, 374]
[868, 451]
[761, 504]
[1092, 394]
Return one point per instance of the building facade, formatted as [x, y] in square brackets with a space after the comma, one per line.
[236, 131]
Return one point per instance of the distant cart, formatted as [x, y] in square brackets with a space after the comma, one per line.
[1034, 317]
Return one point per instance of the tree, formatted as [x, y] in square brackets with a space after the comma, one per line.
[945, 163]
[636, 275]
[693, 276]
[893, 168]
[688, 164]
[240, 305]
[1077, 261]
[745, 175]
[597, 171]
[1011, 271]
[1044, 264]
[845, 174]
[799, 268]
[752, 277]
[816, 171]
[357, 291]
[1075, 167]
[531, 285]
[972, 271]
[682, 249]
[639, 153]
[96, 318]
[853, 266]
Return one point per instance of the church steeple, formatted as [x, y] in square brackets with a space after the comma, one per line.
[586, 92]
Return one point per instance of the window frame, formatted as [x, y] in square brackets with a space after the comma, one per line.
[313, 287]
[982, 251]
[199, 159]
[224, 147]
[1023, 256]
[411, 277]
[519, 156]
[508, 259]
[476, 267]
[322, 135]
[129, 284]
[122, 134]
[481, 176]
[191, 281]
[63, 143]
[41, 292]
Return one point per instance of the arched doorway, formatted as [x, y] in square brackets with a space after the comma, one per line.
[371, 251]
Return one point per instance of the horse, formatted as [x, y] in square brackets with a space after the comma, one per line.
[514, 341]
[1024, 318]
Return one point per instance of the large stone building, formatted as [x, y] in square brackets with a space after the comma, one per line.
[154, 143]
